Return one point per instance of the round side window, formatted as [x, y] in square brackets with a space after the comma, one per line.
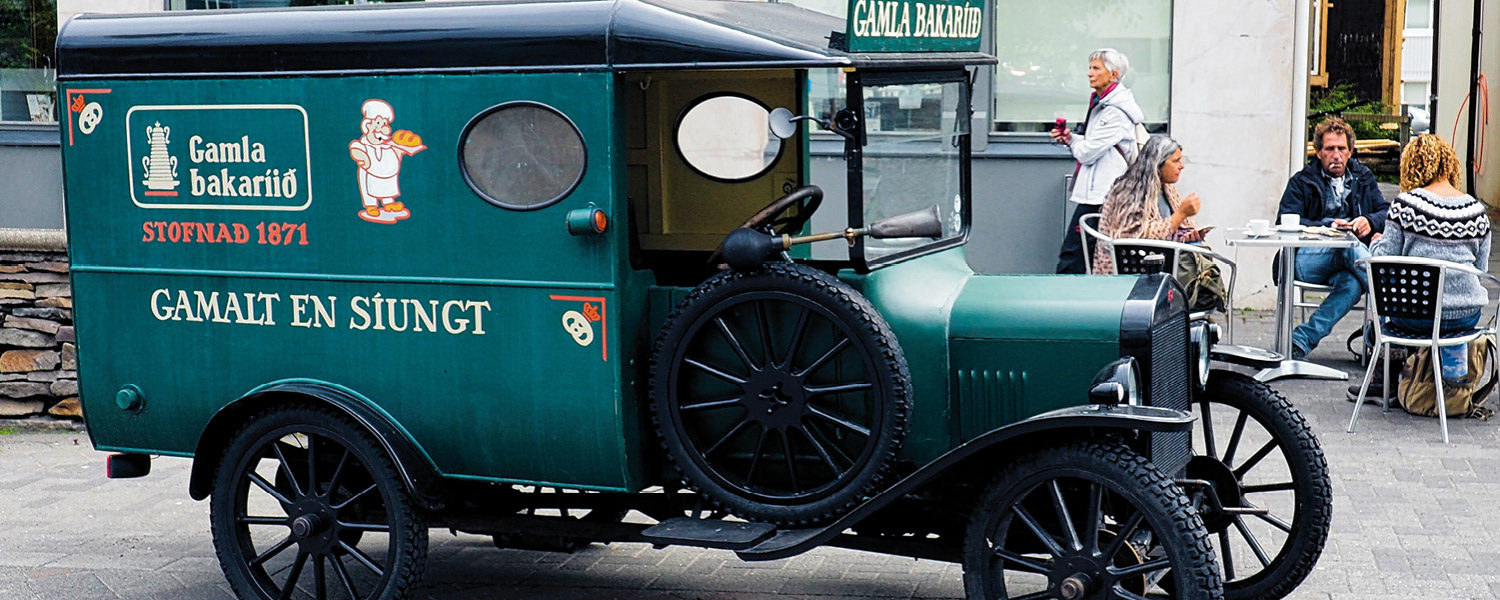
[522, 155]
[727, 138]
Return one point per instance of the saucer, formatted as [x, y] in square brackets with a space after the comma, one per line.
[1288, 228]
[1249, 233]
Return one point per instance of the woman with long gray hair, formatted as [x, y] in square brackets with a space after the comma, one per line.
[1143, 203]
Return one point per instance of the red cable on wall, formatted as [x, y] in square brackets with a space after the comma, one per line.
[1484, 120]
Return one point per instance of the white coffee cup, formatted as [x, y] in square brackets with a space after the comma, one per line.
[1259, 227]
[1290, 220]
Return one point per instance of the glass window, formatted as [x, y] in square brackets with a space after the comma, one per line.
[1044, 47]
[521, 155]
[1418, 14]
[727, 137]
[28, 85]
[913, 158]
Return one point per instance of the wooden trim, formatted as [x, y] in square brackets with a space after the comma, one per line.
[1318, 74]
[1390, 64]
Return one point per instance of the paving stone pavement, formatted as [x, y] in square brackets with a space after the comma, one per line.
[1411, 520]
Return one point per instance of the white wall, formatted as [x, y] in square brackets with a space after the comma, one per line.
[67, 8]
[1231, 109]
[1455, 24]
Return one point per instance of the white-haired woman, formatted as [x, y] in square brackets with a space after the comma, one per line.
[1103, 146]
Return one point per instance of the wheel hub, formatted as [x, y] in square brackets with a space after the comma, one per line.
[1226, 486]
[313, 524]
[1074, 587]
[307, 526]
[775, 399]
[1071, 578]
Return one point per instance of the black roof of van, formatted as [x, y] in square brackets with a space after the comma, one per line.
[523, 35]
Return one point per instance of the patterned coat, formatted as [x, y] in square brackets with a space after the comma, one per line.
[1135, 218]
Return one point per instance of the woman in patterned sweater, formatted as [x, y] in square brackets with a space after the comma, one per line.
[1433, 219]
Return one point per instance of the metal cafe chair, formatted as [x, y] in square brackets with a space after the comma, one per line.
[1412, 287]
[1130, 258]
[1090, 238]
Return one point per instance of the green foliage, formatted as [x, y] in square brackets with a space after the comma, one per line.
[1339, 99]
[28, 33]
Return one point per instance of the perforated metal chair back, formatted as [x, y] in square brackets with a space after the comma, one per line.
[1130, 258]
[1411, 288]
[1410, 291]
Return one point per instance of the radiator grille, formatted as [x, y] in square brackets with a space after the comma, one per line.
[1170, 388]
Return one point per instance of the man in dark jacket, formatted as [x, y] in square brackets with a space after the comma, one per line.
[1333, 190]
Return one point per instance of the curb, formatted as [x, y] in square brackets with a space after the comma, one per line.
[41, 425]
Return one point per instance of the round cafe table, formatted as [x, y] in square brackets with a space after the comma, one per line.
[1289, 242]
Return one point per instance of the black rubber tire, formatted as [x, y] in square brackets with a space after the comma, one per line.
[1295, 456]
[325, 466]
[705, 419]
[1119, 490]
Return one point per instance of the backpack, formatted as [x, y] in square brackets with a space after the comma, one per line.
[1419, 397]
[1204, 285]
[1141, 136]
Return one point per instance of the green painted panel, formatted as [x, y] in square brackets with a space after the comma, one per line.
[504, 345]
[1034, 307]
[915, 25]
[259, 174]
[916, 298]
[999, 382]
[484, 392]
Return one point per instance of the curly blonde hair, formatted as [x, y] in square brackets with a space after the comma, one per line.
[1426, 159]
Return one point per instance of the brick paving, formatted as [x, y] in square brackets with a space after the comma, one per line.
[1412, 519]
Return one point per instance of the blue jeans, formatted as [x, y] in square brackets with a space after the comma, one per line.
[1334, 267]
[1454, 359]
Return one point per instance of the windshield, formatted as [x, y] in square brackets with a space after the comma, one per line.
[914, 159]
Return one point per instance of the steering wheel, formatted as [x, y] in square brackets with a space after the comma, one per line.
[773, 217]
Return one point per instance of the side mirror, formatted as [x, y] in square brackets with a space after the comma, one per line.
[783, 123]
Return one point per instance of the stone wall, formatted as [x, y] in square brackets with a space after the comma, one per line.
[38, 355]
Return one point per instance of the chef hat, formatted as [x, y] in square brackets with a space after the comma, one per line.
[377, 108]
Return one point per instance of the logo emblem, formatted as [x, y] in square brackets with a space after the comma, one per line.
[579, 327]
[582, 322]
[161, 167]
[378, 153]
[89, 116]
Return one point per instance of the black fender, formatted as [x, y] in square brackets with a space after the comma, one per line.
[1153, 419]
[421, 477]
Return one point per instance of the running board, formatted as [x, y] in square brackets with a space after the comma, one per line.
[708, 533]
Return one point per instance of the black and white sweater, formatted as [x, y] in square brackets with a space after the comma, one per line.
[1451, 228]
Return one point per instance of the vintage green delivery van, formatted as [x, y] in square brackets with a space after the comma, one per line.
[540, 270]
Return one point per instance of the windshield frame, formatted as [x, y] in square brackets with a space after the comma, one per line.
[854, 156]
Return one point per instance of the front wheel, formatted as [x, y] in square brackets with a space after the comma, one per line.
[1087, 521]
[307, 505]
[1263, 459]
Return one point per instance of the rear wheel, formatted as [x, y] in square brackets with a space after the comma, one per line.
[1262, 457]
[1087, 521]
[779, 394]
[307, 505]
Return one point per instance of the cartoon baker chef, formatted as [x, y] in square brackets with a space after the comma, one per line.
[378, 153]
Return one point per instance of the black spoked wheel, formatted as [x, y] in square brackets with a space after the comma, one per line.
[1268, 469]
[780, 394]
[307, 505]
[1087, 521]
